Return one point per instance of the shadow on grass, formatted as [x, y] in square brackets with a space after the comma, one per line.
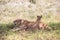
[55, 26]
[7, 27]
[4, 28]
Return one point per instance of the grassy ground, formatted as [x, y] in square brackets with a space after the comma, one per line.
[6, 26]
[11, 10]
[6, 34]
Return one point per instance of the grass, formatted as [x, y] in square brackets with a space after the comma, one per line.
[6, 34]
[6, 26]
[12, 13]
[9, 12]
[55, 26]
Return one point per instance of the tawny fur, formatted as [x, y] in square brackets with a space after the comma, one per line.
[34, 25]
[17, 22]
[25, 24]
[43, 25]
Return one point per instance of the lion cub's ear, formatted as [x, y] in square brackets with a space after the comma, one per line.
[39, 16]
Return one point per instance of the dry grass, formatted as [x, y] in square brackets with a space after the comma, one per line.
[11, 10]
[37, 35]
[7, 34]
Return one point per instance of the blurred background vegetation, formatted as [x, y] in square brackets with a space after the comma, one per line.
[29, 9]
